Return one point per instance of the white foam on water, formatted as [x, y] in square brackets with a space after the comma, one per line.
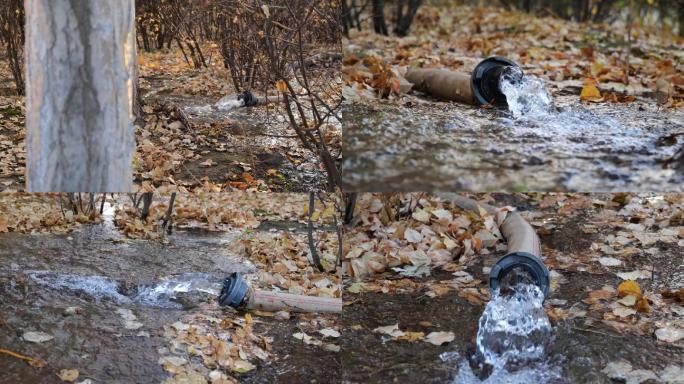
[512, 337]
[225, 104]
[96, 286]
[159, 294]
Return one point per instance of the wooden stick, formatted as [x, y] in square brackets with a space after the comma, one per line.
[34, 362]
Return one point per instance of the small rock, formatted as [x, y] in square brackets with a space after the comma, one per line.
[282, 315]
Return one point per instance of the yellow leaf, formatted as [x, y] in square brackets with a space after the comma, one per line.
[590, 93]
[629, 287]
[281, 86]
[248, 318]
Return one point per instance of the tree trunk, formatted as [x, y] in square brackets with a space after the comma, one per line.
[379, 24]
[80, 75]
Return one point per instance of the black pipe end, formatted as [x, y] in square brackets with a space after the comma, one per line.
[525, 261]
[484, 81]
[234, 291]
[248, 99]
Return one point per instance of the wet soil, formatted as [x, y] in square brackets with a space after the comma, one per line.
[93, 339]
[582, 346]
[420, 144]
[295, 361]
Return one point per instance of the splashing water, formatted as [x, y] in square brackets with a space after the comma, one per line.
[525, 95]
[156, 295]
[513, 334]
[534, 114]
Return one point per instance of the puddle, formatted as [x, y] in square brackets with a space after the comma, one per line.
[546, 143]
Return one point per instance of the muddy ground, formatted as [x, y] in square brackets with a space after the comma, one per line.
[94, 338]
[583, 345]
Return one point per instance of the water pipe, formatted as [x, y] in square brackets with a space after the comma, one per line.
[523, 250]
[476, 88]
[248, 99]
[239, 295]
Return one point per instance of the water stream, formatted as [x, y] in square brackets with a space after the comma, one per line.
[162, 294]
[225, 104]
[513, 336]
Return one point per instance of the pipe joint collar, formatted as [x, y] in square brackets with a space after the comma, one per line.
[525, 261]
[485, 79]
[234, 291]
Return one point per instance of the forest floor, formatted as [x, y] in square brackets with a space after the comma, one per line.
[102, 297]
[619, 136]
[183, 143]
[427, 274]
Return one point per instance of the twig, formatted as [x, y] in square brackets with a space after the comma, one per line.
[166, 224]
[312, 245]
[35, 362]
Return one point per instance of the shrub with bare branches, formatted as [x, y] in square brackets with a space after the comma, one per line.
[12, 37]
[267, 43]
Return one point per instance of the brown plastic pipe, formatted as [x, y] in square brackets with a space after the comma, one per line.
[519, 234]
[277, 301]
[442, 84]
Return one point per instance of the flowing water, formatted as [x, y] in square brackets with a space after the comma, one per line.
[512, 339]
[225, 104]
[543, 142]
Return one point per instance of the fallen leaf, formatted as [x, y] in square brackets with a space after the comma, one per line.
[628, 300]
[412, 236]
[37, 337]
[609, 261]
[670, 334]
[439, 338]
[391, 330]
[329, 332]
[69, 375]
[629, 287]
[590, 92]
[634, 275]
